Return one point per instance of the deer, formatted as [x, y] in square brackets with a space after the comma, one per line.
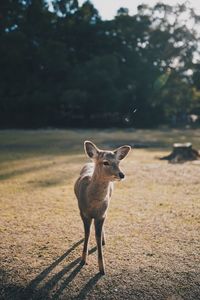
[93, 190]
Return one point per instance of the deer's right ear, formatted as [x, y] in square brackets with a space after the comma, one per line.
[90, 149]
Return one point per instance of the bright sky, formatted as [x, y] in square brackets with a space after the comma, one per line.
[108, 8]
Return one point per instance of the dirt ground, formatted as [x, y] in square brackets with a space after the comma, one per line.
[152, 230]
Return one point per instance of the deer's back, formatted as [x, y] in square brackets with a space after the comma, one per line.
[83, 181]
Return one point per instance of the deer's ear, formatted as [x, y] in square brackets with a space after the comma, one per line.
[122, 152]
[90, 149]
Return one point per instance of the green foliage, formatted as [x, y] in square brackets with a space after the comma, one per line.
[67, 67]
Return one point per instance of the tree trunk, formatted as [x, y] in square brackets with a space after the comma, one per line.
[182, 153]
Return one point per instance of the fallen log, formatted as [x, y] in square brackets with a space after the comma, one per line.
[182, 153]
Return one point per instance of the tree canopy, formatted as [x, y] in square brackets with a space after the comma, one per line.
[65, 66]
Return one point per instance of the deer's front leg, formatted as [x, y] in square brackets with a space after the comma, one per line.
[87, 224]
[98, 233]
[103, 237]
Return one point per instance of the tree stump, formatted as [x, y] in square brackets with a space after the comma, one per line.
[182, 153]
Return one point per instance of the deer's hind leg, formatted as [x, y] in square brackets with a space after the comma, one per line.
[87, 224]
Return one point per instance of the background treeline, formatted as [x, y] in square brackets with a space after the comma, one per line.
[65, 66]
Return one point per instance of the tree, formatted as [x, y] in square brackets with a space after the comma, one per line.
[65, 66]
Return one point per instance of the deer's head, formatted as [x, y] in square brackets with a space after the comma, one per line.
[107, 162]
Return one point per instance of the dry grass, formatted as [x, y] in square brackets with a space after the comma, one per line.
[153, 241]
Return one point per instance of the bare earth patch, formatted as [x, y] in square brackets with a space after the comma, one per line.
[152, 230]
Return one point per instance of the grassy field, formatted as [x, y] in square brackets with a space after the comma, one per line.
[152, 228]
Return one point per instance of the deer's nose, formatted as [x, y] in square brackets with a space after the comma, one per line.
[121, 175]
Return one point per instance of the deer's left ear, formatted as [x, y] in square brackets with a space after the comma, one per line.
[122, 152]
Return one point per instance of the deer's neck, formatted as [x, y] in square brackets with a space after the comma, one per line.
[99, 188]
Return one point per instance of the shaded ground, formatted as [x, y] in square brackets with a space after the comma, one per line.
[152, 229]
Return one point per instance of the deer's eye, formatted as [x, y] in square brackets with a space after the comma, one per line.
[105, 163]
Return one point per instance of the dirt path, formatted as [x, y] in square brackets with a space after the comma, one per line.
[152, 231]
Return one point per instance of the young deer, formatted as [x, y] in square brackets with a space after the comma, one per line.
[93, 190]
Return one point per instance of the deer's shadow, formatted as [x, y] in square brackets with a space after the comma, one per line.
[43, 284]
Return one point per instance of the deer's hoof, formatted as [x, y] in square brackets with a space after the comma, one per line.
[83, 262]
[102, 272]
